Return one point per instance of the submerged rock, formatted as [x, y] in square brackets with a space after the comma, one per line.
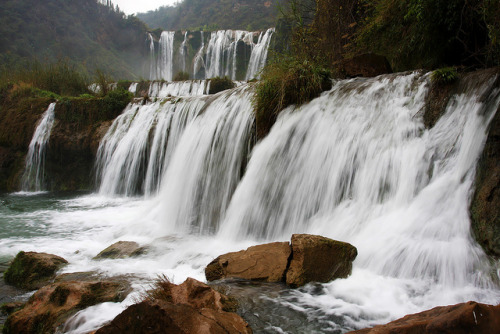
[53, 304]
[319, 259]
[190, 308]
[310, 258]
[465, 318]
[121, 250]
[31, 270]
[266, 262]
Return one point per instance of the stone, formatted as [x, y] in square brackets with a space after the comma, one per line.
[485, 205]
[121, 250]
[31, 270]
[266, 262]
[318, 259]
[53, 304]
[366, 65]
[191, 307]
[152, 317]
[464, 318]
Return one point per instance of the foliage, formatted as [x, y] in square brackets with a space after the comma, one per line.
[89, 34]
[219, 84]
[431, 33]
[213, 15]
[444, 75]
[286, 80]
[49, 80]
[181, 76]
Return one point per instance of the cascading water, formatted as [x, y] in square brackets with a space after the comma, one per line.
[355, 164]
[33, 177]
[231, 53]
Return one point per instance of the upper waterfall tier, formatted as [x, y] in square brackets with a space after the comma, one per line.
[237, 54]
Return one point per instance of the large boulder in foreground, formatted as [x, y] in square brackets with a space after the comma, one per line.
[465, 318]
[266, 263]
[53, 304]
[190, 308]
[31, 270]
[121, 250]
[319, 259]
[310, 258]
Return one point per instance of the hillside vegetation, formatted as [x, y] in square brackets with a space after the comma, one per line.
[250, 15]
[85, 33]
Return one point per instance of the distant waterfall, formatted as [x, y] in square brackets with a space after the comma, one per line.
[237, 54]
[33, 177]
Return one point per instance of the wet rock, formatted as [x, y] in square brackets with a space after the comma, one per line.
[31, 270]
[192, 307]
[266, 262]
[485, 205]
[193, 293]
[318, 259]
[366, 65]
[53, 304]
[121, 250]
[465, 318]
[9, 308]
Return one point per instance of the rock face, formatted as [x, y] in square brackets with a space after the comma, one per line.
[30, 270]
[310, 258]
[53, 304]
[318, 259]
[121, 250]
[261, 263]
[485, 206]
[190, 308]
[366, 65]
[465, 318]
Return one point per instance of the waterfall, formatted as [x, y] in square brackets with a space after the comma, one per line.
[33, 176]
[179, 88]
[231, 53]
[166, 55]
[259, 55]
[153, 74]
[357, 164]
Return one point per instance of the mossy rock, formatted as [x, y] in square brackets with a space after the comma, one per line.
[31, 270]
[220, 84]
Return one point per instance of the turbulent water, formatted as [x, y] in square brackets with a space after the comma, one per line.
[33, 176]
[355, 164]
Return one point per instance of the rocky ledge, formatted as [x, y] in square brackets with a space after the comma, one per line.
[309, 258]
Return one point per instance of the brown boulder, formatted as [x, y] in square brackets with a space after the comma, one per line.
[53, 304]
[160, 316]
[366, 65]
[266, 262]
[30, 270]
[465, 318]
[121, 250]
[191, 307]
[319, 259]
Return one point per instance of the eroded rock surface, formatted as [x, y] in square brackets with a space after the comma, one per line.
[121, 250]
[465, 318]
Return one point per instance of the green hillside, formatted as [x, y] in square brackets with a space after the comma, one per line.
[84, 33]
[214, 14]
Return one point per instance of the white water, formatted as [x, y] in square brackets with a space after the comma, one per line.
[218, 58]
[179, 88]
[355, 164]
[33, 177]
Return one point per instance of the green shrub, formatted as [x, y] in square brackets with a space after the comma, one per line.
[286, 80]
[444, 75]
[124, 84]
[181, 76]
[219, 84]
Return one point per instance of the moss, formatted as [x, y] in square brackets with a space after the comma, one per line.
[219, 84]
[181, 76]
[444, 76]
[286, 80]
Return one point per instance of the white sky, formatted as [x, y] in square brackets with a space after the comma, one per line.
[141, 6]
